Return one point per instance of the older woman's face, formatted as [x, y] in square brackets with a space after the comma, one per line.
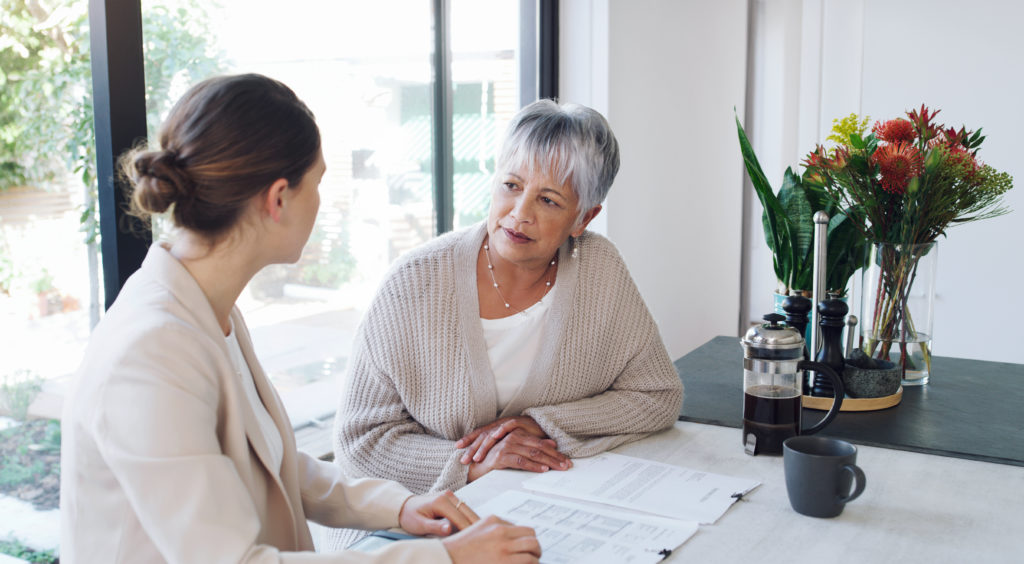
[531, 216]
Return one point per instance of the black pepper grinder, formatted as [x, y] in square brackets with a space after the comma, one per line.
[796, 308]
[833, 313]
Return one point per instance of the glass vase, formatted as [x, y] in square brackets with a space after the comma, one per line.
[899, 300]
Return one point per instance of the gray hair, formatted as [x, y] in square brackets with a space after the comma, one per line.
[569, 142]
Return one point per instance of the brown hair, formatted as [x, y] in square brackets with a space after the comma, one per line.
[225, 141]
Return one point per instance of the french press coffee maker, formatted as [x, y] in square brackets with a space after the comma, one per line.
[773, 365]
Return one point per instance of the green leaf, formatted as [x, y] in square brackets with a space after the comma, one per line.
[800, 215]
[856, 141]
[846, 252]
[774, 219]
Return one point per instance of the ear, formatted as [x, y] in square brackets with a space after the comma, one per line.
[273, 200]
[587, 218]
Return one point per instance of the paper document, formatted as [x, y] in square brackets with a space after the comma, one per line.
[644, 485]
[571, 533]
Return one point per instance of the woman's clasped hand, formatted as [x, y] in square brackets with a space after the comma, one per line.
[511, 442]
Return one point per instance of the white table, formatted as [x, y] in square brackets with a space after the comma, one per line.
[915, 508]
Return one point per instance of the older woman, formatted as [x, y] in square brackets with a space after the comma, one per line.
[517, 343]
[175, 446]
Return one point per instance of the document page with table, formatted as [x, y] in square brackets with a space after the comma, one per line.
[578, 514]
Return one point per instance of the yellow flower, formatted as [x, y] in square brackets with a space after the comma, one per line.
[843, 128]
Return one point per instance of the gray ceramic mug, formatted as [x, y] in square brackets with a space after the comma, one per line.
[819, 475]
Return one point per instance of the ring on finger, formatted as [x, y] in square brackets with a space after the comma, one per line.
[459, 504]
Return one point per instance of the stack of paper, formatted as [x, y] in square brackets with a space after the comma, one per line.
[667, 503]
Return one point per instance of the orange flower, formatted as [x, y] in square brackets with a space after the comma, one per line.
[896, 130]
[840, 158]
[816, 158]
[899, 163]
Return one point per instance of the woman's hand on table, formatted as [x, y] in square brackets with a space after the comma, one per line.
[521, 451]
[492, 540]
[479, 441]
[438, 514]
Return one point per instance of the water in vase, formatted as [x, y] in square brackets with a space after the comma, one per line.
[919, 360]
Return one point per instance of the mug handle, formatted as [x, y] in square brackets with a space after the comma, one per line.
[837, 385]
[859, 479]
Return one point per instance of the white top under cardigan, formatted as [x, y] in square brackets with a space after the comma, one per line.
[512, 346]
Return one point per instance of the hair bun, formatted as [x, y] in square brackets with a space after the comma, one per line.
[160, 181]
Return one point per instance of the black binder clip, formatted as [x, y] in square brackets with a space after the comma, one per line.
[738, 496]
[665, 553]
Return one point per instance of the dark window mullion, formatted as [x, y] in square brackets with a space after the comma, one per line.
[119, 107]
[547, 51]
[444, 198]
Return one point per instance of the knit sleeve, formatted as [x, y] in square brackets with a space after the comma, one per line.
[645, 397]
[375, 436]
[612, 347]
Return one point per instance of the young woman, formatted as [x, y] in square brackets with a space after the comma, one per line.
[175, 445]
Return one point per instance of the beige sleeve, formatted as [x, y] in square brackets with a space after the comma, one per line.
[645, 397]
[375, 436]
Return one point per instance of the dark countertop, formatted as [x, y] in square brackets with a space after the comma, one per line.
[969, 409]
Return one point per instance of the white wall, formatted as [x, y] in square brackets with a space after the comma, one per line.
[668, 83]
[881, 58]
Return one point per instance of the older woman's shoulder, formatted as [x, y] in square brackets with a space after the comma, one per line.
[432, 266]
[440, 249]
[599, 247]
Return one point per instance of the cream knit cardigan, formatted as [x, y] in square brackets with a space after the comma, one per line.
[420, 378]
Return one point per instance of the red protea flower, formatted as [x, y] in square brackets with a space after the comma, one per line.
[899, 163]
[896, 130]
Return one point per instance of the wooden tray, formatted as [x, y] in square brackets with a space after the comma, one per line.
[855, 404]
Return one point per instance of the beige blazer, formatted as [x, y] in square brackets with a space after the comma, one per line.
[162, 456]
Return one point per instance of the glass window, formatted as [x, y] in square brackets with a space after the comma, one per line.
[486, 96]
[50, 286]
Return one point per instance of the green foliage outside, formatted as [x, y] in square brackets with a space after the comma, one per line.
[14, 547]
[17, 391]
[333, 265]
[46, 114]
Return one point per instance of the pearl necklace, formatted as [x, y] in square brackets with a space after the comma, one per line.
[490, 270]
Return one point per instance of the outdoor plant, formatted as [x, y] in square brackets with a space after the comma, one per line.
[905, 184]
[14, 547]
[788, 221]
[17, 391]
